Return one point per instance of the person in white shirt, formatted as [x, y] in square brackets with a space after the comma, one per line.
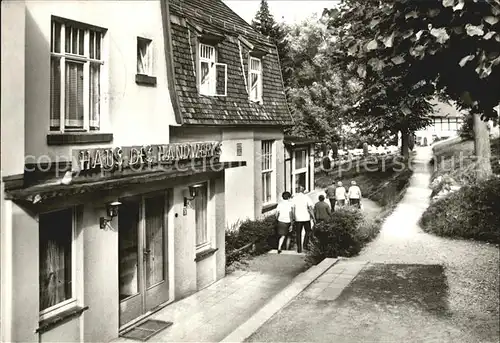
[303, 213]
[340, 194]
[354, 195]
[284, 214]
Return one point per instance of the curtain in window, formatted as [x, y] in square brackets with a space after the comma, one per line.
[254, 86]
[55, 93]
[200, 203]
[154, 239]
[266, 153]
[205, 77]
[266, 187]
[74, 95]
[55, 240]
[300, 159]
[95, 91]
[141, 57]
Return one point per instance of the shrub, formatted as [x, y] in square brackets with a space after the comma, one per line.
[259, 234]
[471, 212]
[340, 236]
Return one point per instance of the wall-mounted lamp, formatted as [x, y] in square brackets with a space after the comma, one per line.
[193, 191]
[111, 211]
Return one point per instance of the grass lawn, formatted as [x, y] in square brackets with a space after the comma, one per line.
[381, 182]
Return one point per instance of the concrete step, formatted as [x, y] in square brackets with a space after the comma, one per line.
[280, 300]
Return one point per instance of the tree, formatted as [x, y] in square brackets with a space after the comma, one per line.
[264, 23]
[317, 95]
[422, 47]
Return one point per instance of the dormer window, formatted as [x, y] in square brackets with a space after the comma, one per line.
[255, 79]
[212, 75]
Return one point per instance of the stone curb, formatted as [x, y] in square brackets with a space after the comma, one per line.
[279, 301]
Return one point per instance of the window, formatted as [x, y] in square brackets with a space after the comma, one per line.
[212, 75]
[300, 172]
[200, 209]
[144, 56]
[267, 172]
[255, 77]
[75, 77]
[56, 271]
[239, 149]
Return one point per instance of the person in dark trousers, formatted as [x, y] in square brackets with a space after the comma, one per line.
[284, 214]
[330, 194]
[303, 212]
[322, 210]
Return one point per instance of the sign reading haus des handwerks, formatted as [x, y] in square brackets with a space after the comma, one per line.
[147, 155]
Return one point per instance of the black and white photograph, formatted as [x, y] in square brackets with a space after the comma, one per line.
[250, 171]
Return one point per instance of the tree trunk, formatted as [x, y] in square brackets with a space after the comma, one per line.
[405, 144]
[482, 148]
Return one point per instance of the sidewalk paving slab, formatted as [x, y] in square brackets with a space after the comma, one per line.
[212, 313]
[279, 301]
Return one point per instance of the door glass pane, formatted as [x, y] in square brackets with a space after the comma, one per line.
[128, 221]
[200, 206]
[56, 230]
[154, 245]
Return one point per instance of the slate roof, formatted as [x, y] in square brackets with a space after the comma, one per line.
[214, 17]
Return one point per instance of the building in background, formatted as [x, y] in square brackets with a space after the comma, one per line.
[446, 121]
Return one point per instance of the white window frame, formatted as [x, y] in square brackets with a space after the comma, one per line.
[271, 151]
[258, 72]
[149, 56]
[210, 221]
[71, 302]
[86, 61]
[212, 70]
[302, 170]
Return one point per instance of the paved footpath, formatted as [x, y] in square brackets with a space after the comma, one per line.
[212, 313]
[405, 286]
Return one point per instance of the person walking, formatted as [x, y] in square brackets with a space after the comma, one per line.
[330, 194]
[322, 210]
[340, 194]
[303, 212]
[354, 195]
[284, 214]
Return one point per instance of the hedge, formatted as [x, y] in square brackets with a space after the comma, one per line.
[471, 212]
